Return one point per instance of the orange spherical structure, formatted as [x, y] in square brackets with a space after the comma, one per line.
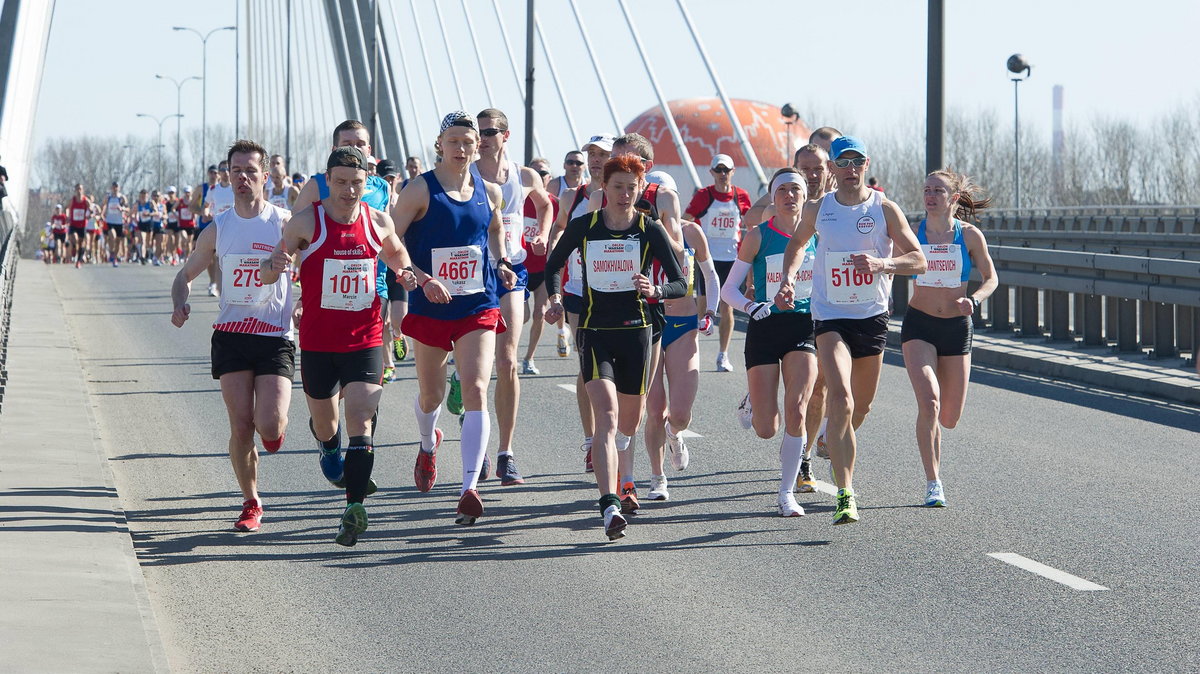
[707, 131]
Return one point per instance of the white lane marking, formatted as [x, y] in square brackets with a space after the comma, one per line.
[1074, 582]
[567, 387]
[824, 487]
[689, 434]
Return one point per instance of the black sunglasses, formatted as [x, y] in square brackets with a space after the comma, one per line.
[573, 162]
[492, 132]
[721, 169]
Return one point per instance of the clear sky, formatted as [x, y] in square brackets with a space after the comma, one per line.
[861, 66]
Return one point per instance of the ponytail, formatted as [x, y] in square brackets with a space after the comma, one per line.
[971, 197]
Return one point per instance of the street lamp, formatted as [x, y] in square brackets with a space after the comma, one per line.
[789, 116]
[1017, 65]
[179, 121]
[160, 143]
[204, 85]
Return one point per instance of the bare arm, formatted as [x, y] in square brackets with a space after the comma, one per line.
[297, 233]
[667, 203]
[308, 195]
[982, 259]
[794, 255]
[910, 259]
[197, 262]
[541, 204]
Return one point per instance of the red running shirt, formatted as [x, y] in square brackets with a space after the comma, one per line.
[337, 278]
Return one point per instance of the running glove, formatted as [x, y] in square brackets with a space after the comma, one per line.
[706, 325]
[759, 310]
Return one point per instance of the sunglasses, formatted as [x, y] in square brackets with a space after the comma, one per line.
[847, 163]
[722, 170]
[573, 162]
[492, 132]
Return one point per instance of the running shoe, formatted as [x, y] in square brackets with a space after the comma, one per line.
[723, 364]
[935, 496]
[678, 449]
[454, 403]
[332, 465]
[354, 522]
[115, 263]
[847, 508]
[745, 414]
[564, 345]
[788, 506]
[251, 518]
[629, 499]
[157, 262]
[658, 488]
[822, 449]
[78, 264]
[485, 471]
[389, 374]
[212, 287]
[273, 446]
[614, 523]
[527, 367]
[805, 482]
[371, 486]
[470, 507]
[506, 470]
[399, 349]
[587, 459]
[425, 472]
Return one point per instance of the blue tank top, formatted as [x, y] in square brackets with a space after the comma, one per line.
[144, 212]
[451, 224]
[958, 239]
[770, 259]
[375, 195]
[204, 194]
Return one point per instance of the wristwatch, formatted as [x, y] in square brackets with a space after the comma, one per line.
[506, 262]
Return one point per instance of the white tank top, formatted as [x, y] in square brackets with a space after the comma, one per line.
[722, 224]
[574, 284]
[221, 198]
[838, 291]
[247, 306]
[278, 200]
[512, 210]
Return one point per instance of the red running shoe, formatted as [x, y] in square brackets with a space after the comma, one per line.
[470, 507]
[273, 446]
[425, 472]
[629, 499]
[251, 518]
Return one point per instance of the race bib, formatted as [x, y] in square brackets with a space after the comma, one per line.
[114, 209]
[722, 225]
[612, 264]
[241, 282]
[279, 201]
[185, 213]
[531, 230]
[575, 270]
[944, 266]
[844, 284]
[513, 225]
[78, 214]
[459, 269]
[801, 283]
[348, 285]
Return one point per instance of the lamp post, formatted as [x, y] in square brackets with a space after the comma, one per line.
[204, 85]
[789, 118]
[160, 143]
[1017, 65]
[178, 121]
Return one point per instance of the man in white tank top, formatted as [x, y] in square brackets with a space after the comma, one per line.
[864, 240]
[252, 351]
[572, 176]
[516, 183]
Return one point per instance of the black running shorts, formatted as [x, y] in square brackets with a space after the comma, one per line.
[951, 336]
[237, 352]
[865, 337]
[324, 373]
[770, 339]
[396, 290]
[621, 356]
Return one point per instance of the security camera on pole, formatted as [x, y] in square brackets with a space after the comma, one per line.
[1017, 65]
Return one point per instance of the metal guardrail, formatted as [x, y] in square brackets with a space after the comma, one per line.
[9, 253]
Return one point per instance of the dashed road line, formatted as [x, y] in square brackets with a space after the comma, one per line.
[1071, 581]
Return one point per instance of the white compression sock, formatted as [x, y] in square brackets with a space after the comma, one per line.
[791, 452]
[622, 441]
[426, 422]
[476, 428]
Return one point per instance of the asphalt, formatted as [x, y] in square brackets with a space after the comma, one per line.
[111, 454]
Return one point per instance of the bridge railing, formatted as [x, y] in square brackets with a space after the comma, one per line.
[9, 253]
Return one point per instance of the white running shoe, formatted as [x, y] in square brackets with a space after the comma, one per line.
[614, 523]
[564, 345]
[658, 488]
[744, 414]
[527, 367]
[212, 290]
[822, 449]
[678, 449]
[723, 364]
[935, 496]
[788, 506]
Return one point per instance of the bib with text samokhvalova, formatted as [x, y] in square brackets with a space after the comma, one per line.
[802, 283]
[241, 282]
[348, 285]
[943, 269]
[612, 264]
[843, 283]
[460, 269]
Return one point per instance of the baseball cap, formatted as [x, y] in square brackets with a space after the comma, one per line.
[662, 178]
[212, 168]
[845, 144]
[458, 118]
[171, 189]
[722, 160]
[603, 141]
[350, 157]
[385, 168]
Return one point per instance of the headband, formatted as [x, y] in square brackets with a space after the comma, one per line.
[786, 178]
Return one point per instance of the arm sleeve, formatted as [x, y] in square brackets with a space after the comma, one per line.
[660, 247]
[709, 270]
[571, 239]
[729, 292]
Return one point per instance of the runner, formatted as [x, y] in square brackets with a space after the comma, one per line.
[936, 334]
[116, 211]
[339, 239]
[396, 292]
[412, 168]
[94, 229]
[252, 351]
[858, 229]
[171, 236]
[350, 133]
[572, 176]
[58, 233]
[779, 343]
[450, 222]
[157, 214]
[77, 216]
[536, 289]
[516, 184]
[298, 181]
[617, 245]
[279, 189]
[218, 198]
[145, 228]
[719, 208]
[187, 222]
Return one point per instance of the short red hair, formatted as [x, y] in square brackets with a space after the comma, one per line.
[626, 163]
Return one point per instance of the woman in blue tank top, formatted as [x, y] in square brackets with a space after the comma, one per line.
[450, 224]
[936, 334]
[779, 343]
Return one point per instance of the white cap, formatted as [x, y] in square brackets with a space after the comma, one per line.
[170, 189]
[721, 160]
[603, 141]
[662, 178]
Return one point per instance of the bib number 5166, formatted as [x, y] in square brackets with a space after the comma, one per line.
[847, 276]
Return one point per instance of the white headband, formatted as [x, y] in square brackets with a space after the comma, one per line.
[786, 178]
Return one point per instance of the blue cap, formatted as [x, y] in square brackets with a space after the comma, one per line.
[845, 144]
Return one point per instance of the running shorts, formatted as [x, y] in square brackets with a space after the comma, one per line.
[78, 231]
[657, 321]
[864, 336]
[325, 372]
[119, 230]
[60, 236]
[442, 334]
[396, 292]
[172, 226]
[572, 304]
[147, 228]
[264, 355]
[950, 336]
[770, 339]
[521, 284]
[621, 356]
[676, 327]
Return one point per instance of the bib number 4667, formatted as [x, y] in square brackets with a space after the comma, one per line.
[454, 271]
